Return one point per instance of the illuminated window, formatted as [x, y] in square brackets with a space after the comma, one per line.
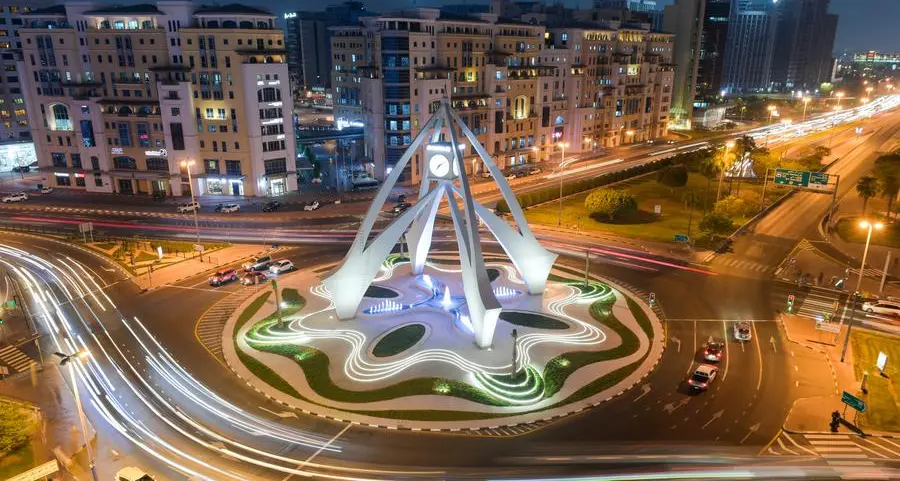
[520, 107]
[61, 120]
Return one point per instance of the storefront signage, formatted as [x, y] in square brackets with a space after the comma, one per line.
[156, 153]
[117, 150]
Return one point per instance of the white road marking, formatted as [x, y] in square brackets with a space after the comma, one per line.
[782, 446]
[694, 351]
[810, 451]
[725, 332]
[677, 342]
[759, 352]
[313, 455]
[848, 463]
[645, 390]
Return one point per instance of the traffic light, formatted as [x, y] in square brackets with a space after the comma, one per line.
[652, 297]
[835, 421]
[790, 303]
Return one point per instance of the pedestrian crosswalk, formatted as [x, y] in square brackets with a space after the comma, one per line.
[838, 449]
[743, 264]
[211, 325]
[868, 272]
[810, 301]
[16, 360]
[506, 431]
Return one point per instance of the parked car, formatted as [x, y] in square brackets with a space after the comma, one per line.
[400, 208]
[131, 473]
[271, 206]
[886, 308]
[535, 171]
[252, 278]
[258, 263]
[311, 205]
[17, 197]
[188, 207]
[486, 175]
[46, 190]
[280, 266]
[223, 277]
[227, 208]
[315, 180]
[703, 377]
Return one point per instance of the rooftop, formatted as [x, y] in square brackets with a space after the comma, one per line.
[231, 9]
[53, 10]
[140, 9]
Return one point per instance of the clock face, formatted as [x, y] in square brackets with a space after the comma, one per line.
[439, 165]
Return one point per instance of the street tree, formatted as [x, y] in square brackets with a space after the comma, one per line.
[673, 176]
[887, 171]
[716, 224]
[16, 425]
[692, 198]
[610, 203]
[866, 188]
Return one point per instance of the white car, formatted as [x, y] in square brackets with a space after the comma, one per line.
[17, 197]
[47, 190]
[886, 308]
[230, 208]
[703, 377]
[742, 331]
[311, 205]
[315, 180]
[189, 207]
[131, 473]
[283, 265]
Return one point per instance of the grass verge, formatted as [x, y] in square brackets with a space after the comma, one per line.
[534, 320]
[399, 340]
[849, 231]
[883, 399]
[17, 461]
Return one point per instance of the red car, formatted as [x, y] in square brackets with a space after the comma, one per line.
[222, 277]
[251, 278]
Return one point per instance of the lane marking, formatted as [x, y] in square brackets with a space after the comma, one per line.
[782, 446]
[759, 352]
[727, 355]
[313, 455]
[795, 443]
[694, 351]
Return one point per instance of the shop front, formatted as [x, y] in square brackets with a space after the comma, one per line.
[217, 185]
[140, 182]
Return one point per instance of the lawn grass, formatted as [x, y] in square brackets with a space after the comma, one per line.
[883, 399]
[534, 320]
[399, 340]
[107, 246]
[17, 461]
[849, 230]
[144, 256]
[644, 224]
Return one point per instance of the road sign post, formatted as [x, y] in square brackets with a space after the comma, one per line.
[853, 401]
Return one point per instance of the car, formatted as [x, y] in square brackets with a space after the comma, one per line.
[271, 206]
[21, 169]
[46, 190]
[258, 263]
[886, 308]
[714, 351]
[311, 205]
[742, 331]
[252, 278]
[535, 171]
[401, 199]
[227, 208]
[315, 180]
[131, 473]
[671, 141]
[280, 266]
[486, 175]
[223, 277]
[188, 207]
[703, 377]
[400, 208]
[511, 176]
[17, 197]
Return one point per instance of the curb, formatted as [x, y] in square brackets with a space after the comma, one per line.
[256, 254]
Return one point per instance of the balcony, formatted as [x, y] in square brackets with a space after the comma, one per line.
[129, 81]
[81, 83]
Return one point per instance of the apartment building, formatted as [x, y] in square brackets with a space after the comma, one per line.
[13, 117]
[521, 88]
[127, 99]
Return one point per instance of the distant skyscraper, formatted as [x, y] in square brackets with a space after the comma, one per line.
[685, 20]
[750, 46]
[712, 48]
[805, 37]
[645, 10]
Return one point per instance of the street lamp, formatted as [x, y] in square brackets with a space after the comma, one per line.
[806, 101]
[186, 165]
[869, 226]
[562, 159]
[63, 360]
[771, 110]
[728, 146]
[839, 96]
[869, 91]
[537, 153]
[630, 134]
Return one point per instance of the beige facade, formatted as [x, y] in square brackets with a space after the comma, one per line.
[521, 88]
[135, 93]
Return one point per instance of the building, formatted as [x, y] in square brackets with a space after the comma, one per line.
[520, 87]
[873, 64]
[685, 20]
[120, 97]
[630, 12]
[14, 125]
[750, 46]
[805, 36]
[308, 41]
[712, 49]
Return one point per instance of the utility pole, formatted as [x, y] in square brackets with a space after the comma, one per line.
[278, 303]
[849, 325]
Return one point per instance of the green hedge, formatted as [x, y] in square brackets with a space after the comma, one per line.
[546, 194]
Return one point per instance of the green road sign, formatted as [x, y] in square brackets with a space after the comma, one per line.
[11, 304]
[682, 238]
[853, 401]
[802, 178]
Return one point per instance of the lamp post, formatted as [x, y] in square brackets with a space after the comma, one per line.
[63, 360]
[839, 96]
[629, 134]
[728, 146]
[870, 226]
[187, 164]
[562, 159]
[771, 109]
[537, 154]
[869, 92]
[806, 101]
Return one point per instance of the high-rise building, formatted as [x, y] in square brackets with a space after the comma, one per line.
[119, 98]
[805, 37]
[750, 46]
[520, 87]
[685, 19]
[308, 41]
[630, 11]
[13, 117]
[712, 48]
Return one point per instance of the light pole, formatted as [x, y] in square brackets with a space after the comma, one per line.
[870, 226]
[187, 164]
[537, 154]
[771, 109]
[869, 93]
[806, 101]
[728, 146]
[629, 134]
[562, 159]
[63, 360]
[839, 96]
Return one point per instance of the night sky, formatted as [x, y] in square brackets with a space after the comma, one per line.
[863, 25]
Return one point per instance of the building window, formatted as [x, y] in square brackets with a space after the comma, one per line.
[124, 134]
[95, 163]
[275, 166]
[233, 168]
[143, 133]
[63, 180]
[98, 180]
[59, 159]
[124, 162]
[76, 161]
[177, 135]
[87, 133]
[211, 166]
[61, 120]
[157, 163]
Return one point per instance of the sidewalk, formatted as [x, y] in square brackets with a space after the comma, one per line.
[192, 267]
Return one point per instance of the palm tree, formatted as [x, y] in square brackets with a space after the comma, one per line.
[866, 187]
[691, 198]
